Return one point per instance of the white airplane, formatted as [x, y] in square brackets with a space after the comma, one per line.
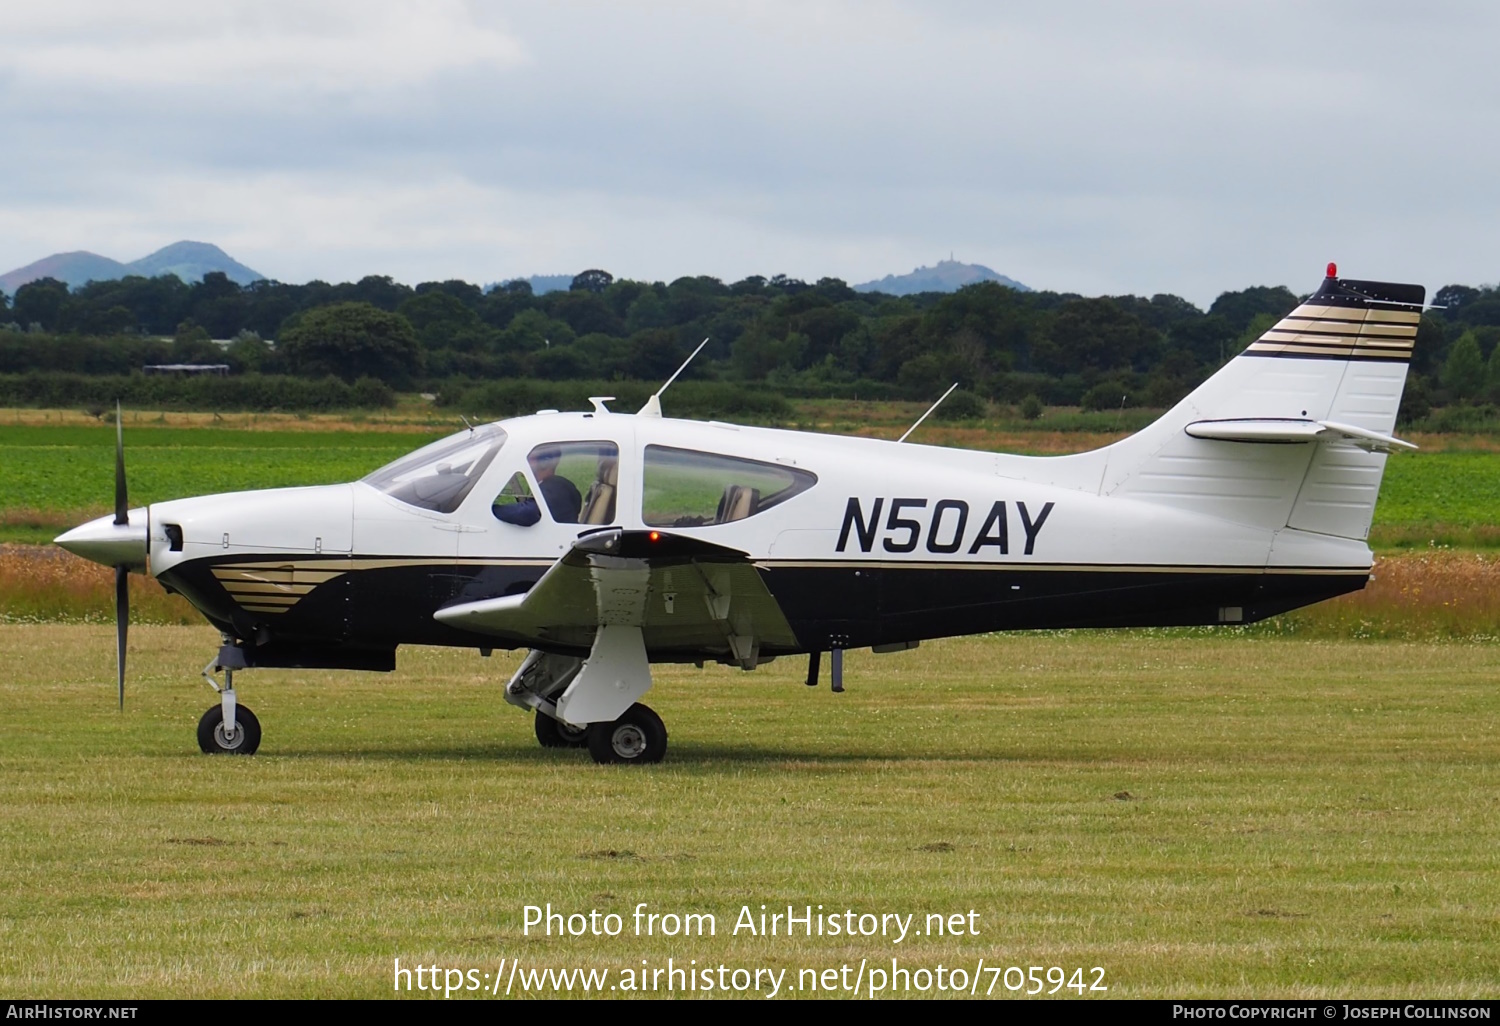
[604, 542]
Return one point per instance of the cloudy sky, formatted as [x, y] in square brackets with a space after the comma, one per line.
[1089, 146]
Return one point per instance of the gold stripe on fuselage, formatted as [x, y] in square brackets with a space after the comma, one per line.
[277, 584]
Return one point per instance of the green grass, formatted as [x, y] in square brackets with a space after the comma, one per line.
[65, 471]
[1460, 488]
[1201, 817]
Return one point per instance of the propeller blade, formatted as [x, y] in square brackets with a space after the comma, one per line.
[122, 623]
[122, 507]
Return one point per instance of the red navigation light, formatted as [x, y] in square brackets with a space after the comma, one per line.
[1333, 269]
[655, 536]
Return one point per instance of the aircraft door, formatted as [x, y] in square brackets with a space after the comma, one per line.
[560, 490]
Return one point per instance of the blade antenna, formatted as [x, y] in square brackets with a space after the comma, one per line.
[928, 413]
[653, 405]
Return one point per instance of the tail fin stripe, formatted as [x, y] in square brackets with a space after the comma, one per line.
[1301, 325]
[1384, 315]
[1341, 352]
[1345, 341]
[1354, 332]
[1292, 338]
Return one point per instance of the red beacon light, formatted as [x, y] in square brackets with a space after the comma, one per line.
[1333, 269]
[655, 536]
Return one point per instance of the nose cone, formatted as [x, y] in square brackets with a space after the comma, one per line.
[107, 542]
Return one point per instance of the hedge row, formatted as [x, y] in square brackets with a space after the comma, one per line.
[249, 392]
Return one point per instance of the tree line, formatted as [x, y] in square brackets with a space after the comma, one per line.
[795, 337]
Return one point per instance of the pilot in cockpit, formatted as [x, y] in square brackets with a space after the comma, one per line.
[561, 495]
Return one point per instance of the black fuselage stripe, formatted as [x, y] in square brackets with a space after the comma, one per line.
[853, 603]
[1376, 357]
[1353, 327]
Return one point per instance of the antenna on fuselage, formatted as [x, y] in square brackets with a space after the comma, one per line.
[929, 411]
[653, 405]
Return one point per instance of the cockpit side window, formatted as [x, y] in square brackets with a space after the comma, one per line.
[686, 488]
[514, 504]
[577, 480]
[439, 476]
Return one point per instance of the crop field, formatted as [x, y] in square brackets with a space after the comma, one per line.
[1198, 816]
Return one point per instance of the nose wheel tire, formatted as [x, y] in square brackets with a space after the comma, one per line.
[557, 734]
[215, 740]
[638, 736]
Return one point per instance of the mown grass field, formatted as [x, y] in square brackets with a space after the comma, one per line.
[1200, 816]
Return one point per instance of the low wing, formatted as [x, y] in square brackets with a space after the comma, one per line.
[687, 596]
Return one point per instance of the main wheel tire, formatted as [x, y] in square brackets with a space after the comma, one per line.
[244, 741]
[557, 734]
[638, 736]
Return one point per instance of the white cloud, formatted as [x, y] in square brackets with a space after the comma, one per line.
[270, 46]
[1156, 146]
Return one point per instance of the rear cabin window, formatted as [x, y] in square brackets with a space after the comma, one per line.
[686, 488]
[439, 476]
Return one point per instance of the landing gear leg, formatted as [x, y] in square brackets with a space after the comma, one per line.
[227, 728]
[591, 701]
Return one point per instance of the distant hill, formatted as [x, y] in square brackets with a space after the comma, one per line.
[540, 284]
[947, 276]
[190, 261]
[544, 283]
[74, 268]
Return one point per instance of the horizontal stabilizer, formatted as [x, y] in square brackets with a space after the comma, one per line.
[1287, 432]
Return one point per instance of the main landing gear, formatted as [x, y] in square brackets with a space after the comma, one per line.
[637, 736]
[566, 692]
[227, 728]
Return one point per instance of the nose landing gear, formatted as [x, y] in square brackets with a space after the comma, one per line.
[241, 739]
[227, 728]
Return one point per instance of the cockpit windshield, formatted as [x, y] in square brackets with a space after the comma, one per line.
[439, 476]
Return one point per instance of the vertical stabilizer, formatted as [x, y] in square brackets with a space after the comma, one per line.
[1340, 357]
